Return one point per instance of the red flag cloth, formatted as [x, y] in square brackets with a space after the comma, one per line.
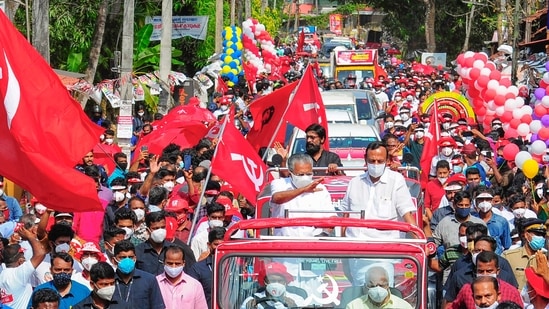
[43, 131]
[103, 154]
[430, 148]
[300, 41]
[307, 106]
[268, 112]
[238, 163]
[180, 115]
[221, 86]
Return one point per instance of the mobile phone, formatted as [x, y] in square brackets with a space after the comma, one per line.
[144, 148]
[466, 133]
[187, 161]
[414, 120]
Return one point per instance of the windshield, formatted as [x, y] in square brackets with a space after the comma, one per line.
[360, 74]
[309, 281]
[364, 109]
[338, 142]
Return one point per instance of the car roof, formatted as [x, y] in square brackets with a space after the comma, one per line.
[336, 97]
[347, 129]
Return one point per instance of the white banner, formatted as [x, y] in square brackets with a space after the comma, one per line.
[193, 26]
[434, 59]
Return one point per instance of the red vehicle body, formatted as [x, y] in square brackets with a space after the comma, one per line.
[324, 269]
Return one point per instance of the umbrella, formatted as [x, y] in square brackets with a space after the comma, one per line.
[103, 154]
[182, 114]
[423, 69]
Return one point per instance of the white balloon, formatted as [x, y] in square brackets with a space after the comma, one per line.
[491, 106]
[546, 77]
[510, 105]
[490, 112]
[479, 64]
[506, 126]
[545, 101]
[468, 54]
[538, 147]
[485, 71]
[465, 72]
[535, 126]
[500, 110]
[517, 114]
[519, 101]
[502, 90]
[523, 129]
[493, 84]
[527, 110]
[513, 89]
[521, 157]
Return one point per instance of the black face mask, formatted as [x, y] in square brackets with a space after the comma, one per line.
[247, 212]
[123, 166]
[311, 148]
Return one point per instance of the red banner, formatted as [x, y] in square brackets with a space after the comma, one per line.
[336, 25]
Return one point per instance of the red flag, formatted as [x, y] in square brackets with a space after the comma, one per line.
[430, 148]
[43, 130]
[300, 41]
[221, 86]
[238, 163]
[268, 113]
[307, 106]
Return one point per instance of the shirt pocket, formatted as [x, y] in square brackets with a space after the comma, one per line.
[385, 209]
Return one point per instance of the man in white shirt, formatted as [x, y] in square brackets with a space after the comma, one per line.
[15, 280]
[381, 193]
[300, 192]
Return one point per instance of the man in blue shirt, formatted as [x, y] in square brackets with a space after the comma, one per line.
[8, 203]
[121, 165]
[71, 292]
[497, 225]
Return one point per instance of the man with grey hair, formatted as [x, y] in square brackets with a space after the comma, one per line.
[298, 193]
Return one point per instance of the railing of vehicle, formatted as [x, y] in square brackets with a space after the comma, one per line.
[407, 169]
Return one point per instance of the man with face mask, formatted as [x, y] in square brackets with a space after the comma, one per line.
[381, 96]
[125, 219]
[88, 256]
[9, 205]
[497, 225]
[434, 190]
[121, 167]
[15, 278]
[120, 197]
[298, 193]
[446, 146]
[134, 288]
[414, 140]
[377, 293]
[533, 235]
[152, 253]
[71, 292]
[174, 281]
[158, 198]
[215, 218]
[380, 192]
[274, 293]
[103, 287]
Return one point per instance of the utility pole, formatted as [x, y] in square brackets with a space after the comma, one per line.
[233, 9]
[125, 128]
[516, 20]
[247, 9]
[41, 28]
[165, 57]
[218, 25]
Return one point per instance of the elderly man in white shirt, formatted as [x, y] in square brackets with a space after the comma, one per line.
[300, 193]
[381, 193]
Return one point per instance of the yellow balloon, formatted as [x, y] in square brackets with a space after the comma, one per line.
[238, 31]
[530, 168]
[229, 51]
[239, 46]
[226, 69]
[235, 71]
[228, 29]
[230, 83]
[228, 36]
[228, 59]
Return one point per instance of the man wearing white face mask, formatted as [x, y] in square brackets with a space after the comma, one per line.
[497, 225]
[446, 147]
[381, 193]
[88, 256]
[152, 253]
[377, 293]
[174, 281]
[216, 217]
[103, 287]
[125, 219]
[120, 199]
[300, 192]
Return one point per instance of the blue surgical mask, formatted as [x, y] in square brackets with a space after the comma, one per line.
[457, 169]
[500, 160]
[126, 266]
[181, 165]
[537, 242]
[462, 212]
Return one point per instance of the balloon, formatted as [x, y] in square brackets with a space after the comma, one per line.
[535, 126]
[505, 82]
[539, 110]
[539, 93]
[495, 75]
[521, 157]
[510, 151]
[510, 105]
[543, 133]
[510, 133]
[545, 101]
[507, 116]
[538, 147]
[530, 168]
[526, 118]
[523, 129]
[474, 73]
[518, 113]
[226, 69]
[545, 120]
[547, 66]
[514, 123]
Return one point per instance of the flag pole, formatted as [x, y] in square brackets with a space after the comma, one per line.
[208, 175]
[282, 118]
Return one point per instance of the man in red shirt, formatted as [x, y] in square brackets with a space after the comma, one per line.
[435, 188]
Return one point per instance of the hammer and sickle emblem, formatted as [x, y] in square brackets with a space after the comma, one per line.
[267, 115]
[13, 91]
[250, 168]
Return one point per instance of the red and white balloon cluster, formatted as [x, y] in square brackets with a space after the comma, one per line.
[253, 33]
[492, 95]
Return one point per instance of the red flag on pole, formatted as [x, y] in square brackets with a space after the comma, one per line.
[300, 41]
[238, 163]
[306, 106]
[430, 148]
[268, 114]
[43, 131]
[221, 86]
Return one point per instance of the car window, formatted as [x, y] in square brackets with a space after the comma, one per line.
[360, 74]
[364, 108]
[329, 281]
[338, 142]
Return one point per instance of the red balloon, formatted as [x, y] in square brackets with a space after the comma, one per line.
[481, 111]
[543, 84]
[510, 151]
[473, 92]
[491, 66]
[506, 117]
[469, 62]
[505, 82]
[514, 123]
[511, 133]
[489, 95]
[474, 73]
[510, 95]
[499, 100]
[538, 158]
[483, 81]
[460, 59]
[481, 56]
[478, 103]
[546, 88]
[495, 75]
[526, 118]
[543, 133]
[539, 110]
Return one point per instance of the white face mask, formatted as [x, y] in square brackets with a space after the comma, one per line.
[215, 223]
[159, 235]
[62, 248]
[118, 196]
[463, 241]
[39, 208]
[173, 272]
[88, 262]
[493, 306]
[224, 107]
[446, 151]
[404, 117]
[129, 232]
[485, 206]
[106, 293]
[141, 113]
[301, 181]
[276, 289]
[1, 191]
[488, 275]
[169, 185]
[442, 180]
[474, 257]
[389, 125]
[139, 213]
[376, 170]
[109, 141]
[519, 212]
[419, 135]
[377, 294]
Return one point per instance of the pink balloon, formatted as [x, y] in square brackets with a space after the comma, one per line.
[510, 151]
[526, 118]
[490, 65]
[499, 100]
[469, 62]
[495, 75]
[505, 82]
[511, 133]
[514, 123]
[507, 116]
[483, 81]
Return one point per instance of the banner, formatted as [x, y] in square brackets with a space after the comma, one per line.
[306, 29]
[336, 25]
[434, 59]
[182, 26]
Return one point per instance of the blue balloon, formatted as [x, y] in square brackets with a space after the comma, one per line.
[234, 79]
[234, 38]
[223, 33]
[222, 57]
[237, 54]
[233, 65]
[230, 75]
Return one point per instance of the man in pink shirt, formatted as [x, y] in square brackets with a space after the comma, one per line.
[178, 289]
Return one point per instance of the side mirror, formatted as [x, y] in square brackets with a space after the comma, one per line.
[380, 115]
